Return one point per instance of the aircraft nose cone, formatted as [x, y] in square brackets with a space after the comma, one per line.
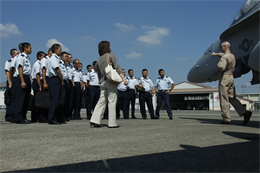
[192, 75]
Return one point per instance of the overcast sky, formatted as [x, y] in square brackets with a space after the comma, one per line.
[143, 34]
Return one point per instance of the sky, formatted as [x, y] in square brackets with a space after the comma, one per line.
[170, 35]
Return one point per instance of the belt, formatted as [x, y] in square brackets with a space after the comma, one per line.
[163, 90]
[147, 92]
[25, 75]
[130, 89]
[76, 82]
[122, 91]
[95, 85]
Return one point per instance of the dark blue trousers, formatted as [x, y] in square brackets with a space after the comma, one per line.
[7, 109]
[19, 101]
[130, 96]
[54, 84]
[64, 110]
[121, 104]
[161, 95]
[71, 97]
[77, 100]
[36, 112]
[86, 97]
[146, 97]
[93, 96]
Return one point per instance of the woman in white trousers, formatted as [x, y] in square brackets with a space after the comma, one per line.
[108, 91]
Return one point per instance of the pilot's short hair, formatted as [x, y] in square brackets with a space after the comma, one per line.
[160, 71]
[144, 70]
[130, 70]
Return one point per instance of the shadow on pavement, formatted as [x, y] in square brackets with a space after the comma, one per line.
[255, 124]
[236, 157]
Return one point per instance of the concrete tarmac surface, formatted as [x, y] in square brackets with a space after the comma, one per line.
[193, 141]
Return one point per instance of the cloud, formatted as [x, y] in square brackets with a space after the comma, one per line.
[124, 28]
[153, 35]
[9, 29]
[246, 84]
[52, 41]
[181, 59]
[84, 39]
[133, 55]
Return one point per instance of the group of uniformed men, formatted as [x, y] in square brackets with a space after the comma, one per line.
[54, 72]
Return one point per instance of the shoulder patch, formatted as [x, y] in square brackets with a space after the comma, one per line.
[9, 60]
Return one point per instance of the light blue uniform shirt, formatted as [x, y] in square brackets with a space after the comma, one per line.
[147, 83]
[78, 75]
[8, 64]
[122, 86]
[131, 82]
[13, 64]
[23, 60]
[164, 84]
[53, 64]
[63, 70]
[70, 70]
[85, 78]
[45, 63]
[36, 69]
[92, 76]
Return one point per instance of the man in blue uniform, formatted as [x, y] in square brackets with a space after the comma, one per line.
[77, 81]
[94, 90]
[21, 86]
[85, 81]
[146, 95]
[36, 75]
[55, 83]
[13, 53]
[131, 93]
[121, 99]
[64, 110]
[162, 89]
[71, 85]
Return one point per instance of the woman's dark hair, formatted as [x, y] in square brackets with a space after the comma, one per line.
[54, 47]
[104, 47]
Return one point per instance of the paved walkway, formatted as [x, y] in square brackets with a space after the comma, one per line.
[193, 141]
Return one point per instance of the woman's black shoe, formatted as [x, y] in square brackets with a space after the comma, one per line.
[94, 124]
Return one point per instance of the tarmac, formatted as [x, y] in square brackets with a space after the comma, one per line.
[193, 141]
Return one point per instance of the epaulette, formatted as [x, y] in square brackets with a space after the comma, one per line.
[22, 55]
[9, 60]
[56, 56]
[166, 76]
[158, 78]
[60, 62]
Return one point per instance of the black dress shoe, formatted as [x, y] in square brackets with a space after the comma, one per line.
[224, 122]
[94, 125]
[170, 118]
[22, 122]
[28, 122]
[54, 123]
[126, 117]
[43, 121]
[133, 117]
[78, 118]
[113, 126]
[247, 117]
[154, 118]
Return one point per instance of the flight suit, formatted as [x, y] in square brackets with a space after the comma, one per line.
[227, 93]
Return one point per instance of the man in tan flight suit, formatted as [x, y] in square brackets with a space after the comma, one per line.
[227, 93]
